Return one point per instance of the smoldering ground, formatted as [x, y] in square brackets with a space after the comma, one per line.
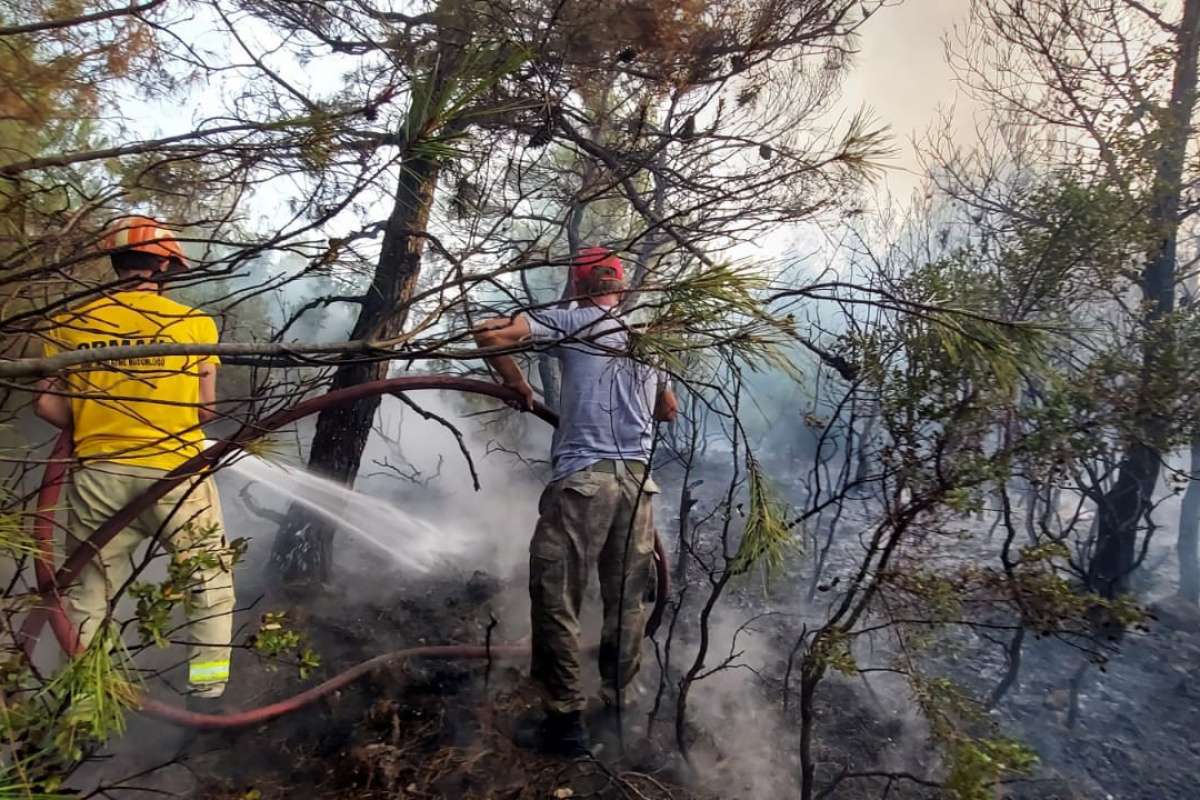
[377, 605]
[410, 466]
[744, 741]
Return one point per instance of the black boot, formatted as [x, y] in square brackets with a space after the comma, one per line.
[205, 738]
[205, 705]
[557, 734]
[614, 732]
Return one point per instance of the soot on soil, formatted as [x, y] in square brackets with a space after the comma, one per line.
[421, 729]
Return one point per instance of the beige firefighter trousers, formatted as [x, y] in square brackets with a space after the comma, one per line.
[188, 521]
[590, 520]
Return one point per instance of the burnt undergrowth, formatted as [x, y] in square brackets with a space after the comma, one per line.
[443, 729]
[1126, 729]
[422, 728]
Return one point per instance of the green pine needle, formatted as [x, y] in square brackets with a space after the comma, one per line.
[714, 309]
[767, 539]
[94, 691]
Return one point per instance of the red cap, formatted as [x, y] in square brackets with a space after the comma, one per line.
[589, 259]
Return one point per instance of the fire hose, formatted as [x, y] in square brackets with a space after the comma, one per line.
[51, 582]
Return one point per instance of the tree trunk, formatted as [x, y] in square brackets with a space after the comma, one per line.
[823, 554]
[547, 365]
[865, 455]
[1129, 500]
[1012, 655]
[688, 680]
[1188, 545]
[810, 676]
[686, 502]
[302, 556]
[548, 374]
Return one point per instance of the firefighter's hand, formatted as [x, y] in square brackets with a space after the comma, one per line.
[525, 391]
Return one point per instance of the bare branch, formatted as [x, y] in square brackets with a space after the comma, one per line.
[53, 24]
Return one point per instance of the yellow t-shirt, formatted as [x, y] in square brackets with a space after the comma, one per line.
[141, 411]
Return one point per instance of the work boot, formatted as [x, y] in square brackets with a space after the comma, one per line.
[200, 704]
[612, 732]
[205, 738]
[557, 734]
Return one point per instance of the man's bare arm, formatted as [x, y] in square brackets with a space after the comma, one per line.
[506, 332]
[51, 405]
[208, 392]
[666, 405]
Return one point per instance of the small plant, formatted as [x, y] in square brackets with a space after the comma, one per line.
[978, 757]
[275, 640]
[156, 601]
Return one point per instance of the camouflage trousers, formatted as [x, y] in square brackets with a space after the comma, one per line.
[595, 519]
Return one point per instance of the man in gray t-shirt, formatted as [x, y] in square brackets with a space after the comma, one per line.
[606, 402]
[596, 512]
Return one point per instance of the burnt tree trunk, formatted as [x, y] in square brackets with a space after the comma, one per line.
[686, 503]
[1188, 545]
[302, 556]
[811, 673]
[1128, 502]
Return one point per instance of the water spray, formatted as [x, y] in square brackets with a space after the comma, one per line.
[50, 582]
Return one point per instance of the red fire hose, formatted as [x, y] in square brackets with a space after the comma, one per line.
[49, 582]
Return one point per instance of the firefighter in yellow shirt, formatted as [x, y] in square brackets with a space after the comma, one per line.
[132, 421]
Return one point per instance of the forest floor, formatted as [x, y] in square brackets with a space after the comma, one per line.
[433, 729]
[1135, 733]
[419, 729]
[443, 729]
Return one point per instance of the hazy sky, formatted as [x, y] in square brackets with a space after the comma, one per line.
[901, 74]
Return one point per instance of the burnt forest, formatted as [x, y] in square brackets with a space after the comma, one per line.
[907, 290]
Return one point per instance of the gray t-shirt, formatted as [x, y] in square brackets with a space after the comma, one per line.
[606, 403]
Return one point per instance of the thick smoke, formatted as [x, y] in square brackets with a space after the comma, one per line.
[415, 465]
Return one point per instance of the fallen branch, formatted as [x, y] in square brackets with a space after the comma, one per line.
[252, 505]
[890, 777]
[291, 353]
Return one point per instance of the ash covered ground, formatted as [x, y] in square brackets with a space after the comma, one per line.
[443, 729]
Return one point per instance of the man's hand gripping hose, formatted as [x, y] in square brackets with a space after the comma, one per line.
[50, 582]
